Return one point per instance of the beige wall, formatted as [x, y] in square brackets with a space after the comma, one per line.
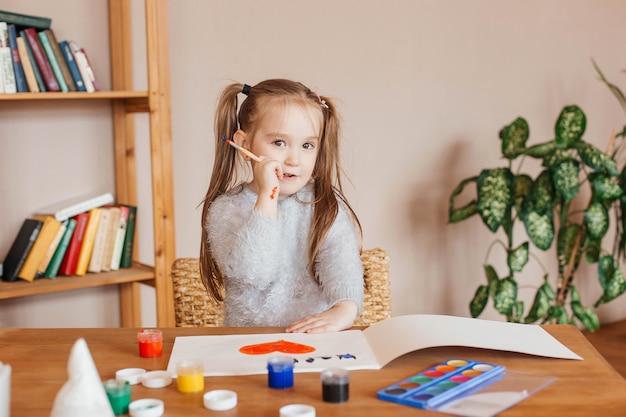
[424, 87]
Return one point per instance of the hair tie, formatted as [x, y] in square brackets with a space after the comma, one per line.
[246, 89]
[320, 100]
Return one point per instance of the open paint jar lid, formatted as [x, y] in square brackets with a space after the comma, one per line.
[220, 399]
[297, 410]
[146, 407]
[132, 375]
[156, 379]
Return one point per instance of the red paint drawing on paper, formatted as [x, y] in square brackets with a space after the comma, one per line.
[282, 346]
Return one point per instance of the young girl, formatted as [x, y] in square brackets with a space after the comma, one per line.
[283, 248]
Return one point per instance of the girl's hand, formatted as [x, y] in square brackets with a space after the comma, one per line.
[339, 317]
[266, 183]
[267, 174]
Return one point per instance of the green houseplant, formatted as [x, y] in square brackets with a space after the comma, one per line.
[553, 218]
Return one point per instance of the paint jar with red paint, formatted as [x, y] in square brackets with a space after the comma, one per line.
[150, 343]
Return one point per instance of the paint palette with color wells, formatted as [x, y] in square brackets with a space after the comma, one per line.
[441, 383]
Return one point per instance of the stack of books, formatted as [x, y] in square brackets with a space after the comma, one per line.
[86, 234]
[32, 60]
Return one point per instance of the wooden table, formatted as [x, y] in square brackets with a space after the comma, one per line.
[38, 358]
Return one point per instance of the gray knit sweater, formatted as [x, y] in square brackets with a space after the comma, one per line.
[264, 261]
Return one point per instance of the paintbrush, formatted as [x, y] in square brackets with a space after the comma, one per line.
[242, 150]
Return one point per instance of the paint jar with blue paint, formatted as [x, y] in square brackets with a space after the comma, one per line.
[280, 372]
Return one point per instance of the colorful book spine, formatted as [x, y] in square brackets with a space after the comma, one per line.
[7, 75]
[52, 59]
[126, 260]
[71, 64]
[42, 60]
[111, 237]
[121, 235]
[88, 241]
[19, 19]
[29, 73]
[97, 251]
[31, 58]
[86, 72]
[58, 55]
[20, 248]
[18, 69]
[51, 249]
[55, 263]
[33, 260]
[68, 265]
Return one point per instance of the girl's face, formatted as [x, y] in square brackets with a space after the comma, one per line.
[290, 137]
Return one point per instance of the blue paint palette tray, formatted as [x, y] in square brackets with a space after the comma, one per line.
[441, 383]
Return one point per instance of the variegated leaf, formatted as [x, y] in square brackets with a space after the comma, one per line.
[518, 257]
[495, 196]
[457, 214]
[478, 303]
[566, 244]
[506, 295]
[595, 158]
[570, 126]
[492, 279]
[540, 228]
[541, 150]
[541, 303]
[611, 279]
[565, 178]
[514, 137]
[596, 220]
[605, 189]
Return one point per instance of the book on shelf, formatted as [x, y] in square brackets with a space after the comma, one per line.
[99, 242]
[7, 75]
[85, 68]
[42, 60]
[52, 59]
[29, 73]
[126, 260]
[88, 241]
[68, 55]
[18, 68]
[31, 58]
[55, 263]
[119, 240]
[48, 231]
[58, 54]
[19, 19]
[111, 237]
[20, 248]
[68, 264]
[51, 249]
[71, 207]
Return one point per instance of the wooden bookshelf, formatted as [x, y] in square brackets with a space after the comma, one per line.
[138, 273]
[125, 102]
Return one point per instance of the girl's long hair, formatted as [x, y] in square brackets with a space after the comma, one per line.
[226, 175]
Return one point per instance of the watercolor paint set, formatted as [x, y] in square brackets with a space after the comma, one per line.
[442, 383]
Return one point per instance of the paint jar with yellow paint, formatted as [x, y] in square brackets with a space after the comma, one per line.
[190, 375]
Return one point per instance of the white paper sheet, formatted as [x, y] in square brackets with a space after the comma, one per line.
[221, 356]
[372, 348]
[394, 337]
